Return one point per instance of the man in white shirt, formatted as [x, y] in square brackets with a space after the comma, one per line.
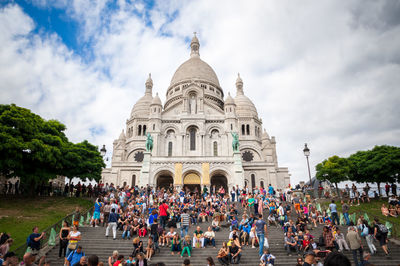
[209, 237]
[170, 235]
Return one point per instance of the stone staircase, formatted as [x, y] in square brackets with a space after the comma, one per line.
[94, 242]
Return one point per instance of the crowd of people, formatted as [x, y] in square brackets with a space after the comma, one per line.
[160, 218]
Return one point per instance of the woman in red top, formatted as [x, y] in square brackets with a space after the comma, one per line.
[162, 210]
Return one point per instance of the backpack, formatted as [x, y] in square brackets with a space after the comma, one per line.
[365, 231]
[28, 241]
[382, 229]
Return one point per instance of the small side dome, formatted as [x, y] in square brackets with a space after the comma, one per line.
[142, 107]
[245, 107]
[156, 100]
[229, 100]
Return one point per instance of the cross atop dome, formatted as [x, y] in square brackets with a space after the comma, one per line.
[195, 46]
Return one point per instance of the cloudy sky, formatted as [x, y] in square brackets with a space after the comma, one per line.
[322, 72]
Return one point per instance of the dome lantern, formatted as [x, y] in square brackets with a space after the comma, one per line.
[149, 85]
[239, 85]
[195, 46]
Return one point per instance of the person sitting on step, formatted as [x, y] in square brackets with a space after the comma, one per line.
[198, 238]
[234, 253]
[290, 244]
[209, 237]
[176, 245]
[187, 246]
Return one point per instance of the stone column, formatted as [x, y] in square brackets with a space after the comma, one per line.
[238, 176]
[144, 177]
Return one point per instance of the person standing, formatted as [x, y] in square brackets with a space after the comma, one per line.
[163, 209]
[96, 213]
[380, 233]
[394, 189]
[185, 222]
[34, 241]
[233, 194]
[355, 244]
[112, 223]
[345, 210]
[387, 189]
[261, 231]
[64, 232]
[77, 217]
[334, 215]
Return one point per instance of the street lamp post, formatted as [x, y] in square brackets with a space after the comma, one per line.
[306, 151]
[103, 151]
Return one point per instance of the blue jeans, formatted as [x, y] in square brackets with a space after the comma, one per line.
[261, 239]
[346, 217]
[163, 219]
[354, 251]
[334, 217]
[126, 233]
[186, 228]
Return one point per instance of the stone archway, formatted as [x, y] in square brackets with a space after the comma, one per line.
[219, 180]
[191, 182]
[164, 180]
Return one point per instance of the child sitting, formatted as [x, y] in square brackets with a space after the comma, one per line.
[187, 246]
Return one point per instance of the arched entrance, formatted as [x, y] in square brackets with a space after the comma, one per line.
[165, 180]
[219, 180]
[191, 182]
[133, 180]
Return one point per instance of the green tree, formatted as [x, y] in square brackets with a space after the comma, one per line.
[379, 165]
[82, 160]
[36, 150]
[335, 170]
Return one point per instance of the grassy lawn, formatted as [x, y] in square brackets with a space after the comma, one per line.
[373, 209]
[19, 215]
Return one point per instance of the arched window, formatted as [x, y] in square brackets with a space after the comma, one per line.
[192, 134]
[215, 146]
[154, 126]
[139, 132]
[170, 149]
[262, 184]
[231, 126]
[255, 131]
[248, 129]
[253, 181]
[144, 130]
[243, 130]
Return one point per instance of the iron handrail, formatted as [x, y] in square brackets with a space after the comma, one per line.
[20, 251]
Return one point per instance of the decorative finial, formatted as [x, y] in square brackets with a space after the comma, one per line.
[239, 85]
[195, 46]
[149, 84]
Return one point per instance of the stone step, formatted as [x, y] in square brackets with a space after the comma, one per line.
[95, 242]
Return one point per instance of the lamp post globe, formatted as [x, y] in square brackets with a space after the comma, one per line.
[306, 152]
[103, 151]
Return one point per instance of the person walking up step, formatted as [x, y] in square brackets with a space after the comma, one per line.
[112, 223]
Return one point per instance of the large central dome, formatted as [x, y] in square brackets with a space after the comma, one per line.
[195, 68]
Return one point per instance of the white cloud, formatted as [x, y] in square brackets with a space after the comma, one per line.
[324, 72]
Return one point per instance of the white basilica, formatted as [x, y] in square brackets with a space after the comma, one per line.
[192, 136]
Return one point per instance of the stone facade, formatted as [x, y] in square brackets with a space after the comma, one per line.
[192, 135]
